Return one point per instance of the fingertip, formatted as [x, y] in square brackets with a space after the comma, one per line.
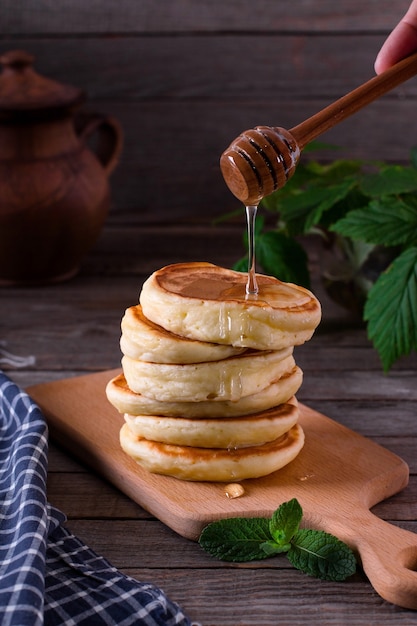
[400, 43]
[380, 64]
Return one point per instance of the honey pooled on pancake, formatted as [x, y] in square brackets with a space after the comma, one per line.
[209, 377]
[209, 303]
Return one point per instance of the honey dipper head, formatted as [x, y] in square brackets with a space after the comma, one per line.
[258, 162]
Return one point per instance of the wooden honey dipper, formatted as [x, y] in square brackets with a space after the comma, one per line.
[262, 159]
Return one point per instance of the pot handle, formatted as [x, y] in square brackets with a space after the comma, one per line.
[108, 141]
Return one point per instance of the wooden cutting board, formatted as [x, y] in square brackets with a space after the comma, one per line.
[338, 476]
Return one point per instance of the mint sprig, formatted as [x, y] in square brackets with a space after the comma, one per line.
[315, 552]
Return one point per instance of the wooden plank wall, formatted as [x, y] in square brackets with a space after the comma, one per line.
[185, 77]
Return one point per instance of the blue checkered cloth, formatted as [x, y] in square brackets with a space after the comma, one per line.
[47, 575]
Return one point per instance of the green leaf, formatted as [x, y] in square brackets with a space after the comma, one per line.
[392, 179]
[285, 521]
[304, 210]
[282, 257]
[241, 265]
[236, 539]
[321, 555]
[336, 172]
[304, 206]
[387, 221]
[247, 539]
[320, 145]
[413, 156]
[272, 547]
[391, 309]
[355, 199]
[309, 177]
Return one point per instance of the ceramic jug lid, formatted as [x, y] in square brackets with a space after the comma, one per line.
[26, 94]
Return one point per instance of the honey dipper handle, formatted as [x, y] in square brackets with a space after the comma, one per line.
[354, 101]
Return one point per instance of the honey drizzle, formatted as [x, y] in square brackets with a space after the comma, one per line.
[251, 285]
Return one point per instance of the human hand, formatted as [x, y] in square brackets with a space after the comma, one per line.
[401, 42]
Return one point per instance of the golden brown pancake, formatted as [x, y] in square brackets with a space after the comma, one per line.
[145, 341]
[209, 376]
[228, 379]
[220, 432]
[279, 391]
[213, 464]
[209, 303]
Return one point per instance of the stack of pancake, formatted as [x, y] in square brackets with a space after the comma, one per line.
[209, 378]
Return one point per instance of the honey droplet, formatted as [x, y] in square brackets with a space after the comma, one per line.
[234, 490]
[306, 477]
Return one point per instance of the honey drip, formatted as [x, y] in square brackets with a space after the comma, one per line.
[251, 285]
[234, 490]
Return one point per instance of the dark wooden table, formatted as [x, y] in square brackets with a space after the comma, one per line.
[73, 329]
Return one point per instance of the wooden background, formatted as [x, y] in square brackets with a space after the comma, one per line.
[185, 77]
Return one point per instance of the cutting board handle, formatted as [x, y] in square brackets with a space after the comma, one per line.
[388, 555]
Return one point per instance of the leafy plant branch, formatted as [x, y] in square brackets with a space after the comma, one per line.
[368, 210]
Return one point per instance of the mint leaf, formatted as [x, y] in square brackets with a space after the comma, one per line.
[236, 539]
[285, 521]
[322, 555]
[388, 221]
[391, 309]
[247, 539]
[282, 257]
[272, 547]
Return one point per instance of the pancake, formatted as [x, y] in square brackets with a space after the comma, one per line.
[145, 341]
[226, 432]
[279, 391]
[227, 379]
[208, 303]
[213, 464]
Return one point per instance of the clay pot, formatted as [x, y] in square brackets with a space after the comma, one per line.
[54, 189]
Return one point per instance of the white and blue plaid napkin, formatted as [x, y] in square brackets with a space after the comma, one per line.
[47, 575]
